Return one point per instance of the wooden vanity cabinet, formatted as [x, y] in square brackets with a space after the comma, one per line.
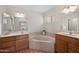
[66, 44]
[14, 43]
[7, 44]
[22, 42]
[74, 46]
[61, 44]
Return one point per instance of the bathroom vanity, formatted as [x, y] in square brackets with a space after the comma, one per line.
[14, 42]
[67, 43]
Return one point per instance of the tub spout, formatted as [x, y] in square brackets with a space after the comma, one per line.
[44, 32]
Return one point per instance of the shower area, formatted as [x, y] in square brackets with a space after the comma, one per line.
[43, 40]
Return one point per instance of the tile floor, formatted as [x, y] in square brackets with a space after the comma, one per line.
[31, 51]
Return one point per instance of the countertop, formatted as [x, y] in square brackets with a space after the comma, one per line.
[13, 34]
[73, 35]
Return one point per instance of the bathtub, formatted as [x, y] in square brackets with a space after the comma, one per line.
[43, 43]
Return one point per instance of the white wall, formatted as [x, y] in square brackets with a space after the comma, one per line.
[60, 20]
[56, 25]
[2, 9]
[34, 19]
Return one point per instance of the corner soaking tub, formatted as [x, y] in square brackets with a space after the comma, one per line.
[43, 43]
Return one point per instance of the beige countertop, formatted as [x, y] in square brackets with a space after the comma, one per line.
[73, 35]
[13, 34]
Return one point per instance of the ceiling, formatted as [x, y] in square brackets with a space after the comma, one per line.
[36, 8]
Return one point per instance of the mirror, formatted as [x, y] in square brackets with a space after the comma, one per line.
[73, 25]
[12, 23]
[6, 23]
[20, 24]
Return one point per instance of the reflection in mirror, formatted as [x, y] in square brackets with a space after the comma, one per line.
[6, 23]
[20, 24]
[19, 14]
[13, 23]
[73, 25]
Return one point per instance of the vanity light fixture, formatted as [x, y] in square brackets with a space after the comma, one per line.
[19, 14]
[73, 8]
[68, 9]
[6, 15]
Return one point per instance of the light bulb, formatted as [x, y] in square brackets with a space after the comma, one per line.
[72, 8]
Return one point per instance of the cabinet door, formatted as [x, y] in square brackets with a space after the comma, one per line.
[73, 49]
[7, 44]
[73, 46]
[61, 44]
[21, 44]
[7, 50]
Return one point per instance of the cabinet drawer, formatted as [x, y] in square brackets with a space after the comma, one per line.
[21, 44]
[59, 37]
[7, 44]
[73, 49]
[74, 42]
[6, 39]
[22, 37]
[9, 49]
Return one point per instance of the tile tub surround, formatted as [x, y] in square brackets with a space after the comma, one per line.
[42, 42]
[40, 33]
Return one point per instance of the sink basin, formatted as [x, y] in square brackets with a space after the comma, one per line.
[75, 35]
[69, 33]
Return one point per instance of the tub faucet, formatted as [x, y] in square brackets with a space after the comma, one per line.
[44, 32]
